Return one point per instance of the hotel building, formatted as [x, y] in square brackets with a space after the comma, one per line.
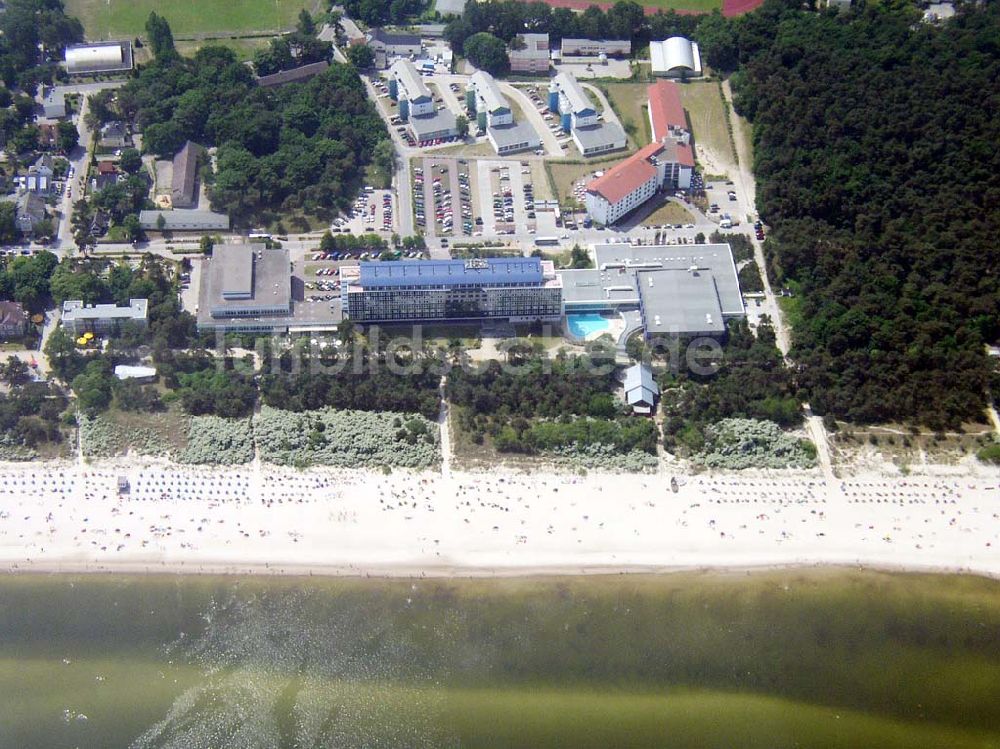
[506, 289]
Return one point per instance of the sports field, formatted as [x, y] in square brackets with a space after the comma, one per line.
[103, 19]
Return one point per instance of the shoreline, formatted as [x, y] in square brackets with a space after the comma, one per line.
[256, 520]
[458, 572]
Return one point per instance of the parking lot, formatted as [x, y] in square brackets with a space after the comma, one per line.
[373, 212]
[443, 197]
[507, 197]
[540, 99]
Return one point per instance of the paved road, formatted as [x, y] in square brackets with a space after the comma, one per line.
[63, 244]
[609, 114]
[403, 216]
[747, 192]
[535, 118]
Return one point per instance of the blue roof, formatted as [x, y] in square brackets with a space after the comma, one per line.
[483, 272]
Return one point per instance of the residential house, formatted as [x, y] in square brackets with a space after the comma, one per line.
[114, 135]
[48, 135]
[13, 320]
[30, 212]
[107, 175]
[54, 104]
[39, 179]
[388, 45]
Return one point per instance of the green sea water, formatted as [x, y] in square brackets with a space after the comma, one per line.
[793, 658]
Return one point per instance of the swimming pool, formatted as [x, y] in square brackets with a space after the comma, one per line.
[586, 325]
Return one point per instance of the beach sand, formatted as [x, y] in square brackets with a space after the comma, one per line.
[70, 517]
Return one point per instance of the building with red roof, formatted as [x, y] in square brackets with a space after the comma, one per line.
[666, 113]
[630, 183]
[626, 185]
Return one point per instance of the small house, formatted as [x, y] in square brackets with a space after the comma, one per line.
[30, 212]
[13, 320]
[114, 135]
[641, 390]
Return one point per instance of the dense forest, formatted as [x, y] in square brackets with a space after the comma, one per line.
[876, 154]
[29, 411]
[297, 147]
[545, 404]
[360, 386]
[33, 35]
[751, 382]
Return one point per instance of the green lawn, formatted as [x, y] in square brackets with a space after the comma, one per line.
[629, 102]
[127, 18]
[705, 109]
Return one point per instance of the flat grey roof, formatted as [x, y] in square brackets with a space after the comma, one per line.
[597, 287]
[682, 289]
[234, 273]
[600, 134]
[425, 124]
[270, 279]
[509, 135]
[717, 258]
[74, 309]
[680, 301]
[180, 219]
[295, 75]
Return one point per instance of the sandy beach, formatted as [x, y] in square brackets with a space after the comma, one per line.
[264, 519]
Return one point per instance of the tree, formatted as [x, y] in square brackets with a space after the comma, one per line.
[15, 372]
[99, 109]
[8, 223]
[384, 158]
[361, 56]
[579, 258]
[130, 161]
[161, 38]
[69, 136]
[486, 52]
[64, 358]
[462, 126]
[93, 387]
[306, 26]
[161, 222]
[133, 229]
[206, 245]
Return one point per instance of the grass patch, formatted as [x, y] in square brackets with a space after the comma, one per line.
[471, 150]
[709, 124]
[565, 174]
[629, 102]
[669, 213]
[906, 447]
[540, 181]
[244, 48]
[104, 19]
